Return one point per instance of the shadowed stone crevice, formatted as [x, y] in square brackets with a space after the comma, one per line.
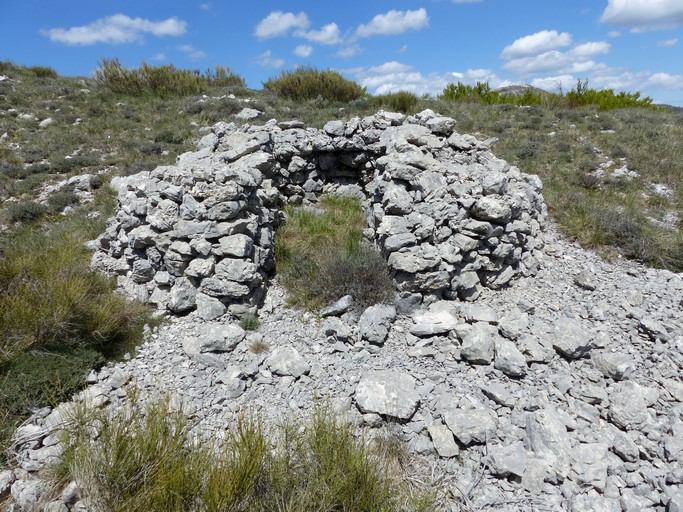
[449, 217]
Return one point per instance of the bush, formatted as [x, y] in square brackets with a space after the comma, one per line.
[164, 81]
[401, 101]
[581, 96]
[250, 322]
[143, 461]
[606, 99]
[43, 72]
[59, 200]
[25, 211]
[321, 258]
[309, 83]
[224, 77]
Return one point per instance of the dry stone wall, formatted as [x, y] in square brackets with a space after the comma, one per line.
[449, 216]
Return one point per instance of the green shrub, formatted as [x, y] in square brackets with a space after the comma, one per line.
[605, 99]
[43, 72]
[164, 81]
[250, 322]
[59, 200]
[401, 101]
[321, 258]
[25, 211]
[224, 77]
[144, 461]
[306, 83]
[581, 96]
[9, 67]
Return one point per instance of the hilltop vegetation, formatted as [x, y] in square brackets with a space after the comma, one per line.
[611, 164]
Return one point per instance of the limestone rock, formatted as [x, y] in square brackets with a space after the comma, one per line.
[388, 393]
[375, 322]
[286, 360]
[478, 346]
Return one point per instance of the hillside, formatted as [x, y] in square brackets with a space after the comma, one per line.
[505, 366]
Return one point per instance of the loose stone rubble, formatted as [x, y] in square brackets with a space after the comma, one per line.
[562, 390]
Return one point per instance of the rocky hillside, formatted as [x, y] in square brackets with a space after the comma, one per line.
[521, 371]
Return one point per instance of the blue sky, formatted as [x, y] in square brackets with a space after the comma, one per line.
[385, 45]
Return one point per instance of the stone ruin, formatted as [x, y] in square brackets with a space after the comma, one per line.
[449, 216]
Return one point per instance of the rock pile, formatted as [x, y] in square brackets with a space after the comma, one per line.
[560, 391]
[449, 216]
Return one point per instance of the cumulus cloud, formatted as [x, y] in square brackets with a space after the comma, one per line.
[329, 34]
[116, 29]
[394, 22]
[394, 76]
[642, 15]
[191, 52]
[303, 50]
[266, 60]
[537, 43]
[349, 52]
[668, 42]
[613, 34]
[159, 57]
[279, 23]
[540, 53]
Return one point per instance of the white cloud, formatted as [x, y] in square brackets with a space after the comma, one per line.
[394, 22]
[668, 42]
[537, 43]
[394, 76]
[403, 49]
[303, 50]
[524, 57]
[329, 34]
[279, 23]
[555, 83]
[205, 6]
[349, 52]
[159, 57]
[191, 52]
[613, 34]
[266, 60]
[642, 15]
[116, 29]
[466, 1]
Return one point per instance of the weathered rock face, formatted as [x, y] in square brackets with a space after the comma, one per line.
[449, 216]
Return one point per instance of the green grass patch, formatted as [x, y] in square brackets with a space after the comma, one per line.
[48, 293]
[307, 83]
[320, 256]
[144, 461]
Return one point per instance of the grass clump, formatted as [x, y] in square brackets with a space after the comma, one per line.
[321, 257]
[401, 101]
[143, 460]
[250, 322]
[306, 83]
